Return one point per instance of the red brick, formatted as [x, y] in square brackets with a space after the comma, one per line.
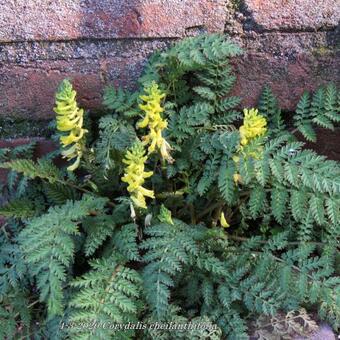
[270, 15]
[287, 78]
[28, 87]
[22, 20]
[29, 91]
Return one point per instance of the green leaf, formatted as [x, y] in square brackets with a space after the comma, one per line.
[332, 208]
[205, 92]
[257, 201]
[308, 132]
[262, 170]
[298, 200]
[317, 208]
[226, 181]
[279, 197]
[42, 169]
[19, 208]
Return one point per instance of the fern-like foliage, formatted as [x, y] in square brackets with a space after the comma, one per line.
[121, 101]
[168, 250]
[115, 138]
[48, 245]
[106, 294]
[294, 323]
[13, 268]
[42, 169]
[19, 208]
[294, 186]
[198, 104]
[97, 229]
[58, 194]
[320, 109]
[238, 229]
[268, 106]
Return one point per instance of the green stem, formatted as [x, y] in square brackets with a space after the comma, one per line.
[176, 193]
[29, 306]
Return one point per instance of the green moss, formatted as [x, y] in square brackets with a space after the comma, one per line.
[14, 127]
[236, 4]
[322, 51]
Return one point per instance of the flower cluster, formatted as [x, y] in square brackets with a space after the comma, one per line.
[135, 175]
[69, 119]
[154, 121]
[254, 125]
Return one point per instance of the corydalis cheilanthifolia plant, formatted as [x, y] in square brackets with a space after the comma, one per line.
[135, 175]
[252, 132]
[75, 250]
[254, 125]
[70, 121]
[154, 121]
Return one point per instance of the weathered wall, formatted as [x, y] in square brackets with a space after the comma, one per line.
[290, 44]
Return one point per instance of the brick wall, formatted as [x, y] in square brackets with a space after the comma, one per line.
[290, 44]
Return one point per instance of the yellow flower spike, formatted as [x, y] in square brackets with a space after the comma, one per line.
[69, 119]
[223, 221]
[135, 175]
[154, 121]
[254, 125]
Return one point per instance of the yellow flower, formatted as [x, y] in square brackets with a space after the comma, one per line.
[154, 121]
[135, 175]
[256, 153]
[237, 178]
[254, 125]
[236, 159]
[69, 119]
[224, 222]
